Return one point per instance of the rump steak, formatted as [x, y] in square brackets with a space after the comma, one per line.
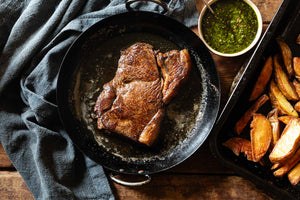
[133, 102]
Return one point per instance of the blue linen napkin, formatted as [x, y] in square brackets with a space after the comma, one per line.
[34, 36]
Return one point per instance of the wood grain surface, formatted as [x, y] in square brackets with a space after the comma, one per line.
[4, 160]
[191, 187]
[199, 177]
[13, 187]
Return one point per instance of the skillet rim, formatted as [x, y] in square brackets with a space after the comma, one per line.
[213, 103]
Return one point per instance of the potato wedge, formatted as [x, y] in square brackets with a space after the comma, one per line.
[242, 123]
[263, 79]
[279, 101]
[239, 145]
[275, 166]
[298, 39]
[296, 62]
[273, 119]
[297, 106]
[261, 136]
[297, 86]
[286, 56]
[294, 175]
[282, 80]
[288, 143]
[288, 165]
[285, 119]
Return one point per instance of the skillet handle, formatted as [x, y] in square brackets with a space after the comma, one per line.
[130, 184]
[159, 2]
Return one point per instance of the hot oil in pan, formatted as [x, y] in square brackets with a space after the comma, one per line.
[97, 65]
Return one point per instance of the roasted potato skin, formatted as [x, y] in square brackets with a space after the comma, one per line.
[288, 143]
[244, 120]
[263, 79]
[286, 56]
[261, 136]
[297, 86]
[296, 64]
[239, 145]
[279, 101]
[273, 119]
[283, 82]
[298, 40]
[297, 106]
[294, 175]
[285, 119]
[274, 133]
[288, 165]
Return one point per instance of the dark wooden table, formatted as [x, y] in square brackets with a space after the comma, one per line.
[199, 177]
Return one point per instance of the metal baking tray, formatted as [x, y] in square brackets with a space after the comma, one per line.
[286, 24]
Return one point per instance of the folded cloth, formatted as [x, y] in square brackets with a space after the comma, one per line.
[34, 36]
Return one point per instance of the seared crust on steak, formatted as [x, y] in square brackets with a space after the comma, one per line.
[133, 102]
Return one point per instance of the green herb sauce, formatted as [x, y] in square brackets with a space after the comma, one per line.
[231, 28]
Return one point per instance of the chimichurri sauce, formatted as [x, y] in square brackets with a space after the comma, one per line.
[231, 28]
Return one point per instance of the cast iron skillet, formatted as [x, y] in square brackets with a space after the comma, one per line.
[92, 60]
